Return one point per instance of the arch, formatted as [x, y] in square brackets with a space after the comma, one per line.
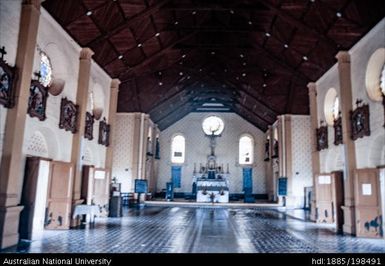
[335, 159]
[178, 148]
[377, 150]
[246, 149]
[52, 142]
[373, 73]
[329, 104]
[60, 69]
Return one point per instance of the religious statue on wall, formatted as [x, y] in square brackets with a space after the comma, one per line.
[89, 127]
[275, 149]
[157, 149]
[338, 131]
[7, 80]
[359, 121]
[267, 149]
[68, 115]
[104, 133]
[322, 137]
[37, 101]
[149, 147]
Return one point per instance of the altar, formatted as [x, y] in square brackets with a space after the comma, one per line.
[212, 190]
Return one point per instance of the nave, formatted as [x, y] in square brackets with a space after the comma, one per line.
[202, 230]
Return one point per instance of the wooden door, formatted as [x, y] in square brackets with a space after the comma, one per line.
[367, 200]
[60, 195]
[324, 198]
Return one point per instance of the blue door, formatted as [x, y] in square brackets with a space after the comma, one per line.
[248, 179]
[248, 185]
[176, 173]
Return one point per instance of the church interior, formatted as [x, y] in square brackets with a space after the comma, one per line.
[192, 126]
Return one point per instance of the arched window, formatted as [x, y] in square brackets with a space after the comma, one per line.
[45, 69]
[246, 144]
[336, 108]
[178, 145]
[382, 80]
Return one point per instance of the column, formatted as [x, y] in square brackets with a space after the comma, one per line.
[11, 171]
[314, 152]
[114, 91]
[346, 100]
[273, 183]
[78, 137]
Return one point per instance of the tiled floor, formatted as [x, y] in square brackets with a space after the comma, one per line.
[201, 230]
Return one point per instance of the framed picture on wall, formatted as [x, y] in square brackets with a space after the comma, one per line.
[37, 101]
[104, 133]
[7, 81]
[359, 121]
[322, 138]
[68, 115]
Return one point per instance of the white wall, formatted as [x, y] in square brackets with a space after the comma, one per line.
[197, 149]
[122, 165]
[301, 157]
[370, 149]
[64, 52]
[9, 35]
[44, 138]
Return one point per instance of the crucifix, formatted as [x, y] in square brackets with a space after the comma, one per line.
[38, 75]
[2, 52]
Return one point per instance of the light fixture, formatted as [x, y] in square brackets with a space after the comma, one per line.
[120, 57]
[241, 56]
[181, 63]
[212, 52]
[200, 70]
[139, 45]
[183, 56]
[194, 12]
[237, 78]
[225, 69]
[305, 58]
[286, 45]
[160, 83]
[176, 23]
[231, 11]
[243, 74]
[89, 13]
[338, 14]
[250, 22]
[160, 73]
[188, 77]
[267, 34]
[180, 73]
[157, 34]
[244, 63]
[264, 85]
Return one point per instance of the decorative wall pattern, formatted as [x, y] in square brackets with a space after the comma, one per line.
[301, 154]
[198, 147]
[37, 145]
[123, 150]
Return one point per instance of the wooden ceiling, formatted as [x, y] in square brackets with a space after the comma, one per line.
[251, 57]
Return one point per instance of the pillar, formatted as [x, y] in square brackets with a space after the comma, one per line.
[314, 152]
[11, 171]
[114, 90]
[273, 185]
[346, 100]
[78, 137]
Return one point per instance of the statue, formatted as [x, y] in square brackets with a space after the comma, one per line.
[157, 149]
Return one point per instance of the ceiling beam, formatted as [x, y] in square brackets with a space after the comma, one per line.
[144, 14]
[298, 23]
[157, 54]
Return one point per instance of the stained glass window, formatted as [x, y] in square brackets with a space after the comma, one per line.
[382, 80]
[45, 70]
